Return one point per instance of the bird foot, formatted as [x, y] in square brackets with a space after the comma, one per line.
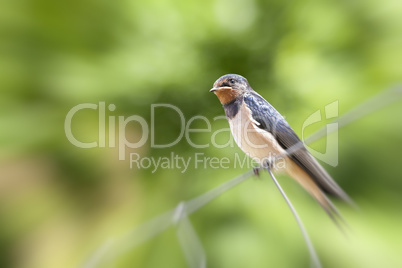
[256, 171]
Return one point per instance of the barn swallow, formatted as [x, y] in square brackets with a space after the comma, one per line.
[263, 134]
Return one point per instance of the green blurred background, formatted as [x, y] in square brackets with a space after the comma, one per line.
[59, 202]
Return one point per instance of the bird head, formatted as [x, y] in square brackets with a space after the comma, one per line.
[229, 87]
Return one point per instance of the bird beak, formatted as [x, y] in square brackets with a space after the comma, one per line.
[219, 88]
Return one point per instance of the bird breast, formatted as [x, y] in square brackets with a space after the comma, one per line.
[257, 143]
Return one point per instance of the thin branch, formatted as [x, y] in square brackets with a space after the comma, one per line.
[188, 239]
[200, 201]
[369, 106]
[313, 254]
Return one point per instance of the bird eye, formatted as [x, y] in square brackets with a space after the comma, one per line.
[232, 81]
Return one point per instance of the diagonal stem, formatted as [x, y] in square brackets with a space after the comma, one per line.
[188, 239]
[310, 247]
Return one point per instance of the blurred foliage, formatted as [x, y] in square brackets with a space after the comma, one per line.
[60, 202]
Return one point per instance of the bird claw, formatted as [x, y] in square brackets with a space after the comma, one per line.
[256, 171]
[268, 165]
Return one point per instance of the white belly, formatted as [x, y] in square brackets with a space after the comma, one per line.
[255, 142]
